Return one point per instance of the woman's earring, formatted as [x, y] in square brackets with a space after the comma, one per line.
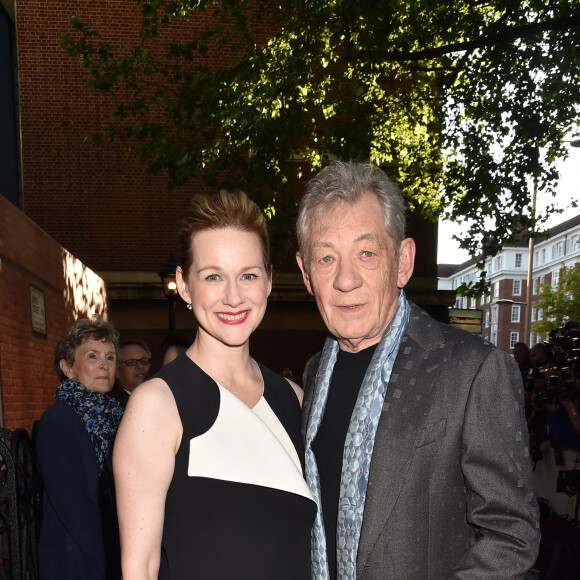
[189, 306]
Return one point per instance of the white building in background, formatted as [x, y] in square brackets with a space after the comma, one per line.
[504, 308]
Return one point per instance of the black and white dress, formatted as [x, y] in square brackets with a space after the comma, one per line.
[238, 506]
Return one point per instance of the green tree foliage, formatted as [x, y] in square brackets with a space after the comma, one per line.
[560, 304]
[462, 101]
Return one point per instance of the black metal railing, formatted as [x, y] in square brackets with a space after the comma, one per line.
[20, 497]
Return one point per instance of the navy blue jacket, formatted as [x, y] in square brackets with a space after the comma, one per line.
[79, 535]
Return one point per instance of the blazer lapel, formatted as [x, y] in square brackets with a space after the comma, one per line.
[402, 424]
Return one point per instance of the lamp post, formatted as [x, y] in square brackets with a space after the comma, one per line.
[573, 143]
[167, 275]
[530, 266]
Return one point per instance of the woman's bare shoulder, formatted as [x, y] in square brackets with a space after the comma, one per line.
[153, 397]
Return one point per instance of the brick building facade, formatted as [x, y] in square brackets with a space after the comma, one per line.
[504, 309]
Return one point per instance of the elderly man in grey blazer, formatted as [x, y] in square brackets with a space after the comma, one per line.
[416, 443]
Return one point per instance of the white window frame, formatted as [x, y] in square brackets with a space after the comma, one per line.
[517, 288]
[518, 261]
[515, 317]
[514, 338]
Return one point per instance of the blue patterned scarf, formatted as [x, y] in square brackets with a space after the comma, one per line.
[99, 414]
[358, 447]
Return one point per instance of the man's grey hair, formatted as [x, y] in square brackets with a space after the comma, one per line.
[347, 181]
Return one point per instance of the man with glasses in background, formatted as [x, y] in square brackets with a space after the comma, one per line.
[133, 368]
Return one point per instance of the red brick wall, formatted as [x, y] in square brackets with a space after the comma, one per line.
[29, 256]
[92, 198]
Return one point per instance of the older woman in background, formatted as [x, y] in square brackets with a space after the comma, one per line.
[79, 534]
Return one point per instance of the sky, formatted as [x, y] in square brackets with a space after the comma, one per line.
[448, 251]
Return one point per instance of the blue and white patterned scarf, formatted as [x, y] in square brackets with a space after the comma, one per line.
[99, 414]
[358, 447]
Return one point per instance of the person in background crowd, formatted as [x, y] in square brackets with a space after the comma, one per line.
[172, 346]
[540, 354]
[416, 441]
[522, 357]
[215, 435]
[133, 369]
[79, 535]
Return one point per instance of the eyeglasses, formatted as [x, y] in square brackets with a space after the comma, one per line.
[132, 362]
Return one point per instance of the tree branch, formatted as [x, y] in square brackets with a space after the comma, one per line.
[504, 36]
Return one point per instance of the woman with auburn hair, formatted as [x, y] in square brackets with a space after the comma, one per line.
[209, 459]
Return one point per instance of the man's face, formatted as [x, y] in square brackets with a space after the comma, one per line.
[128, 376]
[354, 273]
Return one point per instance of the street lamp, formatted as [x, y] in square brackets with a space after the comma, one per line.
[573, 143]
[530, 267]
[167, 275]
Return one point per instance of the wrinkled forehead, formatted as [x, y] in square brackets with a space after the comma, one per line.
[133, 351]
[364, 215]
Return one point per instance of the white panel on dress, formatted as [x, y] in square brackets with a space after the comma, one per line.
[240, 447]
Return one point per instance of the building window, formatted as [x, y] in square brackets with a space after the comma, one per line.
[487, 319]
[535, 286]
[533, 315]
[496, 290]
[474, 303]
[540, 314]
[515, 313]
[514, 338]
[494, 315]
[543, 255]
[542, 280]
[536, 259]
[518, 260]
[532, 339]
[555, 278]
[464, 302]
[560, 249]
[494, 338]
[517, 288]
[488, 298]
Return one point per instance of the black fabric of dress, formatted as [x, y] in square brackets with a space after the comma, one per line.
[222, 528]
[328, 445]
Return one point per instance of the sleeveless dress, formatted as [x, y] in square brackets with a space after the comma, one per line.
[238, 506]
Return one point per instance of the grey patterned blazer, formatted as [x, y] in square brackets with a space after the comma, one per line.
[450, 487]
